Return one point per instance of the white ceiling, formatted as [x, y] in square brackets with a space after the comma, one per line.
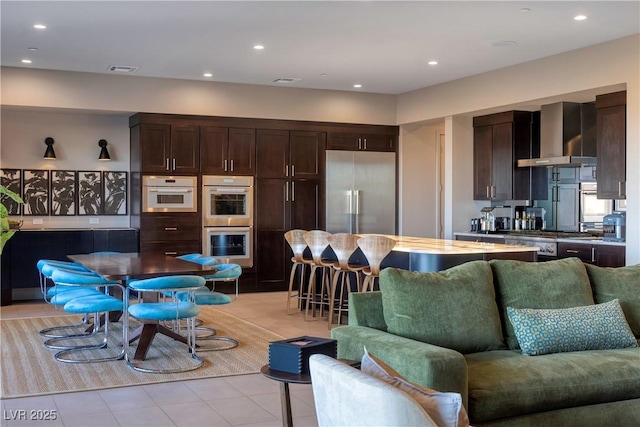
[383, 45]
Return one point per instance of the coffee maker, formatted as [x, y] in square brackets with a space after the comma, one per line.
[614, 227]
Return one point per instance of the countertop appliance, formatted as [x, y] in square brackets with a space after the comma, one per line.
[614, 227]
[592, 209]
[567, 136]
[169, 194]
[360, 192]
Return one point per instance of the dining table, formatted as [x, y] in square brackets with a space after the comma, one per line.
[124, 267]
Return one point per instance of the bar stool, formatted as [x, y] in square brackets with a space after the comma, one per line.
[344, 245]
[317, 241]
[375, 249]
[296, 241]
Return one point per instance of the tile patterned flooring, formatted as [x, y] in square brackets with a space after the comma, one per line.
[242, 400]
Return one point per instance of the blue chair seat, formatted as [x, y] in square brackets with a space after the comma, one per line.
[190, 257]
[94, 304]
[206, 297]
[164, 310]
[225, 271]
[64, 297]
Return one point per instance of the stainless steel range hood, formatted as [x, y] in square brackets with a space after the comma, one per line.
[567, 136]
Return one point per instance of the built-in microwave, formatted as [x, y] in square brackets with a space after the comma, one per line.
[169, 194]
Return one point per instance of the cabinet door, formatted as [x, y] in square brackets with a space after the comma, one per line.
[272, 153]
[213, 150]
[502, 161]
[155, 148]
[272, 204]
[305, 204]
[344, 141]
[305, 150]
[272, 261]
[375, 142]
[609, 255]
[582, 251]
[482, 146]
[185, 149]
[242, 151]
[611, 143]
[567, 207]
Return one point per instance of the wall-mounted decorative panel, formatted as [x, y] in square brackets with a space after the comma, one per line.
[89, 193]
[12, 180]
[35, 192]
[114, 193]
[64, 190]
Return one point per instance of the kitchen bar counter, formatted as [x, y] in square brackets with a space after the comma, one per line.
[502, 234]
[426, 254]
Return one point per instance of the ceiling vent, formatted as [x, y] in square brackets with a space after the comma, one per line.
[286, 80]
[122, 69]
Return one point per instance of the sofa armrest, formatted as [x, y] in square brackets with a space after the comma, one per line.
[365, 309]
[425, 364]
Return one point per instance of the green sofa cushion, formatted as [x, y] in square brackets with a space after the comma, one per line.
[505, 383]
[560, 283]
[454, 308]
[622, 283]
[590, 327]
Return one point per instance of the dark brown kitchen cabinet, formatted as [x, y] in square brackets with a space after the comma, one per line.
[361, 142]
[602, 255]
[611, 142]
[282, 205]
[169, 148]
[499, 141]
[227, 151]
[289, 154]
[170, 233]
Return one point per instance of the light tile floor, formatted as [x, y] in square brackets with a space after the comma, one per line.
[242, 400]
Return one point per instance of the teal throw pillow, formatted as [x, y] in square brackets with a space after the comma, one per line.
[454, 308]
[623, 283]
[561, 283]
[592, 327]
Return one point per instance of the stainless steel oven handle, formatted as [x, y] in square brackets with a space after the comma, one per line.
[170, 190]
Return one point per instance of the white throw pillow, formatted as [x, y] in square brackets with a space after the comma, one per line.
[445, 409]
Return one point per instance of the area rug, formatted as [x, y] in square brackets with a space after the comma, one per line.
[28, 368]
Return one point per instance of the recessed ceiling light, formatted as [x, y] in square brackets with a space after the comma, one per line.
[258, 47]
[503, 43]
[26, 61]
[208, 75]
[580, 17]
[432, 62]
[39, 26]
[525, 9]
[323, 74]
[33, 49]
[357, 85]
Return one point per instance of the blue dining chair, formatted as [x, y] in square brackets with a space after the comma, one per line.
[190, 257]
[95, 301]
[166, 311]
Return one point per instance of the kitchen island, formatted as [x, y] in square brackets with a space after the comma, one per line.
[426, 254]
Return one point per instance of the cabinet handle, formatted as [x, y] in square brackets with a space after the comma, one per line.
[171, 229]
[225, 165]
[593, 254]
[286, 192]
[620, 193]
[359, 143]
[293, 191]
[171, 253]
[572, 251]
[167, 167]
[174, 164]
[488, 197]
[286, 170]
[231, 165]
[365, 143]
[493, 191]
[293, 170]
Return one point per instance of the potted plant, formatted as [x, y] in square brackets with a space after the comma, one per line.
[8, 227]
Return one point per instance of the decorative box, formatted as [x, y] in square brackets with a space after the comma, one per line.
[292, 354]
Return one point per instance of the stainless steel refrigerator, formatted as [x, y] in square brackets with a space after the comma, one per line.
[361, 192]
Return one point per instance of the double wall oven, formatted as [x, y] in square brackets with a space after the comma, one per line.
[227, 218]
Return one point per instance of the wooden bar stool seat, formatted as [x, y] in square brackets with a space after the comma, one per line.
[317, 241]
[296, 241]
[375, 248]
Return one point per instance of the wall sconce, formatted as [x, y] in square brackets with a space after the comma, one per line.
[49, 153]
[104, 153]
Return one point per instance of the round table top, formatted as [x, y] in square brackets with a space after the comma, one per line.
[286, 377]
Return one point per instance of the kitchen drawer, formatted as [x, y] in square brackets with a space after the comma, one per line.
[172, 227]
[584, 252]
[179, 247]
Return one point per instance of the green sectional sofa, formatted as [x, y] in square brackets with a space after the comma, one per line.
[525, 344]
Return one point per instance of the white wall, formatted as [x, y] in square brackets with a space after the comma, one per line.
[418, 177]
[76, 138]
